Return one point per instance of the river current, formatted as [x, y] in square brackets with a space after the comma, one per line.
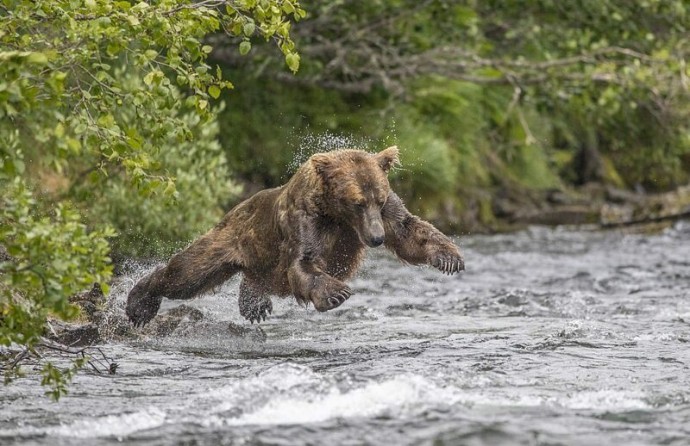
[551, 336]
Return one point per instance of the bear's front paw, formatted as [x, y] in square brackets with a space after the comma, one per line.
[255, 308]
[448, 262]
[141, 308]
[329, 293]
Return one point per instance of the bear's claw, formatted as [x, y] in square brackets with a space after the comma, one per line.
[331, 296]
[256, 310]
[449, 264]
[340, 297]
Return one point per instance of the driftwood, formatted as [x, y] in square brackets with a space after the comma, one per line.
[646, 220]
[647, 209]
[595, 205]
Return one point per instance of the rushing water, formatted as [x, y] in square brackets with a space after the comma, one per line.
[549, 337]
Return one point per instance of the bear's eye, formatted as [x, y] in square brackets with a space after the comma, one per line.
[360, 205]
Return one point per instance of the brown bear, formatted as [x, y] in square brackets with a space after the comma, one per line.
[303, 238]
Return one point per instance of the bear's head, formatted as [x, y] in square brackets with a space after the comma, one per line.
[355, 188]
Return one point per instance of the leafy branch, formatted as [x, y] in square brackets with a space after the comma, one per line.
[44, 353]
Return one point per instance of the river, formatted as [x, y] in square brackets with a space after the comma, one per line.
[551, 336]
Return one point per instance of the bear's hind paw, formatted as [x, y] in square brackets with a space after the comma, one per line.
[141, 309]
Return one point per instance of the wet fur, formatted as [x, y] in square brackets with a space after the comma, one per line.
[303, 239]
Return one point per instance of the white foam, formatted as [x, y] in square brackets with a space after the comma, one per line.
[399, 396]
[111, 425]
[294, 394]
[278, 379]
[656, 337]
[596, 400]
[605, 400]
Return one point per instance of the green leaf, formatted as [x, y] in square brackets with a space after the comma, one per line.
[37, 58]
[170, 188]
[288, 7]
[80, 128]
[59, 130]
[245, 47]
[133, 142]
[148, 79]
[74, 145]
[292, 60]
[214, 91]
[153, 77]
[249, 28]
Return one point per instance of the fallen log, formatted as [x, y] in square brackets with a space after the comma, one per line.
[647, 209]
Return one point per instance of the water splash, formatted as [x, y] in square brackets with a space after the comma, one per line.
[310, 144]
[113, 323]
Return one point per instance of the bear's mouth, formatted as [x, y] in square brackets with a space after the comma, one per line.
[371, 241]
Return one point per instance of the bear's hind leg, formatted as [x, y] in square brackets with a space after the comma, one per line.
[416, 241]
[144, 300]
[200, 267]
[255, 305]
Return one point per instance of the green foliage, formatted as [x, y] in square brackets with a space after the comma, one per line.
[51, 258]
[153, 223]
[486, 95]
[106, 107]
[608, 76]
[62, 86]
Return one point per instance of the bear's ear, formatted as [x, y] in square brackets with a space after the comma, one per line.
[388, 158]
[323, 164]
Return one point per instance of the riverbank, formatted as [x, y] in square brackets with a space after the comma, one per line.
[594, 205]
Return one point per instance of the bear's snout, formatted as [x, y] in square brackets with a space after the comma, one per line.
[374, 234]
[376, 241]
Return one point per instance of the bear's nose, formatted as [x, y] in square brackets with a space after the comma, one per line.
[376, 241]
